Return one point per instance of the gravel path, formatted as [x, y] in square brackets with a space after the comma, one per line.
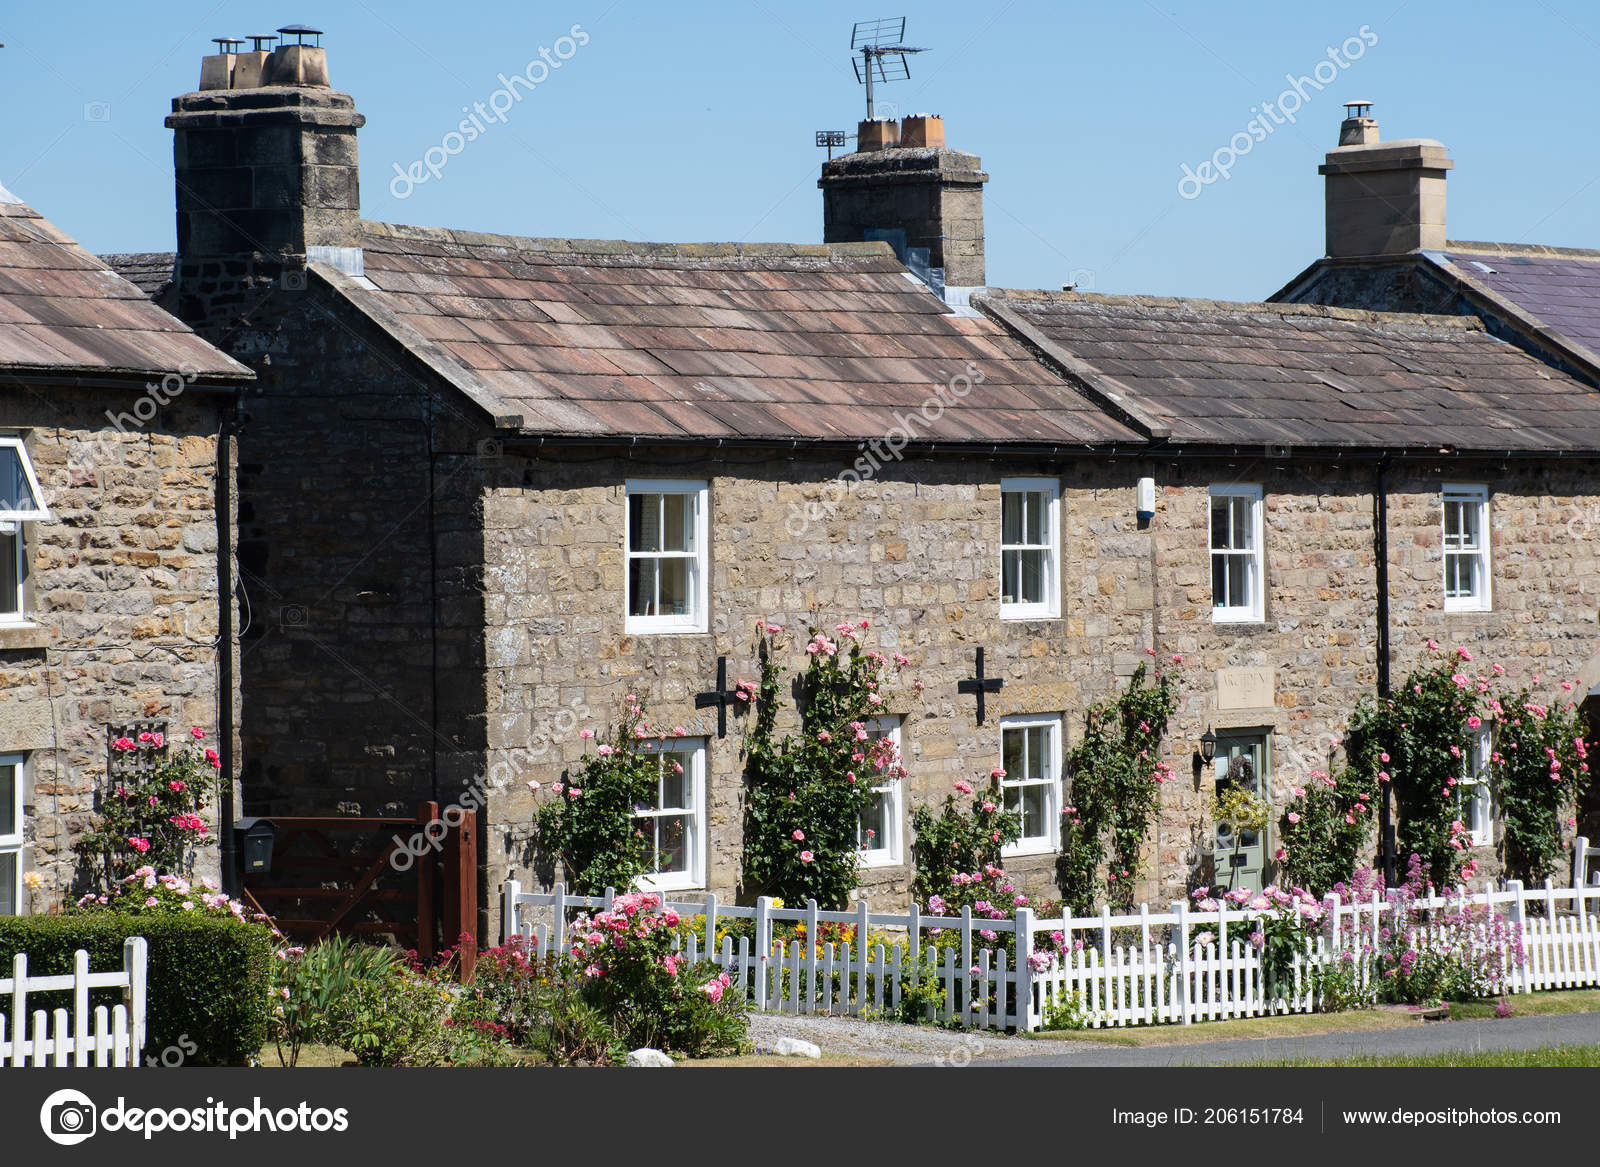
[917, 1045]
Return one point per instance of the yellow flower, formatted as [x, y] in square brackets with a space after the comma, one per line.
[777, 901]
[33, 881]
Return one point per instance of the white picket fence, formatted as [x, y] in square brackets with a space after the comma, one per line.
[1132, 969]
[66, 1038]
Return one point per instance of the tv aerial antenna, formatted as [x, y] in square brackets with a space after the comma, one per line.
[882, 55]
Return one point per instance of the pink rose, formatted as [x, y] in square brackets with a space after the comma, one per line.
[806, 856]
[798, 836]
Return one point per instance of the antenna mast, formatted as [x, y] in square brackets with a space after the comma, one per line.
[883, 56]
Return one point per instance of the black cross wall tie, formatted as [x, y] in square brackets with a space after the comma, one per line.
[980, 685]
[721, 697]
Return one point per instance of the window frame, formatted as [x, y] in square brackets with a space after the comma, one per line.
[1050, 607]
[12, 844]
[696, 620]
[14, 441]
[1255, 611]
[892, 855]
[16, 566]
[1050, 841]
[1475, 780]
[694, 878]
[1478, 495]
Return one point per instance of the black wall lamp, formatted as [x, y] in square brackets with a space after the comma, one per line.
[1208, 746]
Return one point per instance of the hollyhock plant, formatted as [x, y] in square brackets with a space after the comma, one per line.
[154, 814]
[809, 790]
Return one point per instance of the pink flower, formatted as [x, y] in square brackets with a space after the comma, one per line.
[1474, 721]
[963, 787]
[1280, 854]
[1433, 645]
[1177, 658]
[124, 744]
[798, 836]
[586, 734]
[1293, 818]
[197, 733]
[1463, 654]
[712, 989]
[574, 791]
[216, 762]
[533, 785]
[175, 786]
[139, 844]
[997, 772]
[988, 807]
[806, 857]
[604, 751]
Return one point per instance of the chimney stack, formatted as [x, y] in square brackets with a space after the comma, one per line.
[904, 185]
[265, 155]
[1383, 198]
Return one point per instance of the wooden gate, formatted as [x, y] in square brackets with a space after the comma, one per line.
[414, 878]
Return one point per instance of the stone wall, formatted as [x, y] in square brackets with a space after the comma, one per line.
[914, 552]
[122, 589]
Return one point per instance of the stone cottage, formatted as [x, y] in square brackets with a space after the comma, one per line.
[111, 412]
[490, 484]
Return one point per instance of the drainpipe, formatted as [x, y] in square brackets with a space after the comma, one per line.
[230, 426]
[1380, 551]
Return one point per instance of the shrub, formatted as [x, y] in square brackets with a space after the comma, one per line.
[1325, 828]
[948, 848]
[1116, 778]
[310, 983]
[629, 973]
[208, 975]
[154, 818]
[1540, 764]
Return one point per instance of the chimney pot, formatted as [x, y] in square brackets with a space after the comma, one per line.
[922, 131]
[877, 134]
[1359, 128]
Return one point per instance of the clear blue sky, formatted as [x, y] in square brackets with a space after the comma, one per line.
[689, 122]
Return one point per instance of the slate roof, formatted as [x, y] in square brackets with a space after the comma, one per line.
[64, 311]
[149, 271]
[1309, 376]
[1559, 287]
[737, 341]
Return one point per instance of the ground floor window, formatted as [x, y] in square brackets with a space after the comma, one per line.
[1473, 805]
[1031, 757]
[878, 834]
[10, 834]
[674, 820]
[1241, 853]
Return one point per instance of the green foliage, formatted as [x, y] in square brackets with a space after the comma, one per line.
[1415, 741]
[392, 1019]
[808, 790]
[958, 842]
[1066, 1010]
[1116, 778]
[591, 824]
[1541, 770]
[208, 976]
[1325, 829]
[1343, 983]
[153, 819]
[310, 984]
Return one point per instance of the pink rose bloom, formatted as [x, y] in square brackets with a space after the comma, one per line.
[139, 844]
[586, 734]
[603, 750]
[151, 902]
[124, 744]
[1293, 818]
[806, 856]
[197, 733]
[1463, 654]
[533, 785]
[798, 836]
[997, 772]
[988, 806]
[963, 787]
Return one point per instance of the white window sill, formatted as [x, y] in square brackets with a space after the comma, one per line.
[671, 883]
[1236, 616]
[1030, 847]
[879, 859]
[1020, 612]
[636, 627]
[1466, 606]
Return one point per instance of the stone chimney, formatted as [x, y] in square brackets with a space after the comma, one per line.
[265, 155]
[904, 185]
[1383, 198]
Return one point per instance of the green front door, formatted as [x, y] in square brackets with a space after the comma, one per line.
[1241, 854]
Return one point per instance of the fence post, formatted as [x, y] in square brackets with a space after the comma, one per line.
[134, 951]
[1580, 861]
[509, 924]
[711, 926]
[560, 906]
[1520, 918]
[1182, 908]
[763, 948]
[19, 1007]
[80, 1008]
[1023, 972]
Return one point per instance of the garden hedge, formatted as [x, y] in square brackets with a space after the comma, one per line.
[209, 977]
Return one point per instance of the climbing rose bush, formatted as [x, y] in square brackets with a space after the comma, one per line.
[1325, 828]
[952, 847]
[1540, 767]
[153, 818]
[809, 789]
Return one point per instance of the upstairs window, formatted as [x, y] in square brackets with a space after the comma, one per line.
[666, 552]
[1466, 549]
[1237, 578]
[1030, 576]
[20, 502]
